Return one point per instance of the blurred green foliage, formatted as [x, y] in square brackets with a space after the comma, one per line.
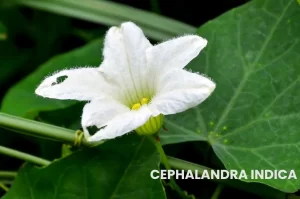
[248, 48]
[3, 32]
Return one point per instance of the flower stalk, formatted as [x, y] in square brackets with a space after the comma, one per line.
[164, 160]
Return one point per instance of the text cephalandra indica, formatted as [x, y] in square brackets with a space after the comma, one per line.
[224, 174]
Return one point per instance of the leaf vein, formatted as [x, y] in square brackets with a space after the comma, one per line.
[245, 77]
[127, 168]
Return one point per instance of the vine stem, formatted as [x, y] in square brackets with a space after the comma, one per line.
[8, 174]
[36, 129]
[42, 130]
[4, 187]
[164, 160]
[217, 192]
[23, 156]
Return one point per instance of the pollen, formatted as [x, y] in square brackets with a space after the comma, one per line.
[144, 101]
[153, 125]
[136, 106]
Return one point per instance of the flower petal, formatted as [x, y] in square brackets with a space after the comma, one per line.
[99, 112]
[175, 53]
[172, 54]
[122, 124]
[181, 79]
[76, 84]
[180, 90]
[124, 57]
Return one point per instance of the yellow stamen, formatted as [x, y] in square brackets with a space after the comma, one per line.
[144, 101]
[136, 106]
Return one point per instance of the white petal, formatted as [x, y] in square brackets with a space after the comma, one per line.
[76, 84]
[180, 90]
[175, 53]
[181, 79]
[122, 124]
[124, 57]
[172, 54]
[99, 112]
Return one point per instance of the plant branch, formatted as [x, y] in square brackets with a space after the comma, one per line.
[37, 129]
[8, 174]
[23, 156]
[4, 187]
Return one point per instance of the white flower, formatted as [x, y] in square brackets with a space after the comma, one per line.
[136, 84]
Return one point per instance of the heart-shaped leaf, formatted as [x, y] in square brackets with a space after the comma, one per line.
[252, 120]
[118, 168]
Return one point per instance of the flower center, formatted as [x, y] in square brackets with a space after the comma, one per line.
[153, 124]
[138, 105]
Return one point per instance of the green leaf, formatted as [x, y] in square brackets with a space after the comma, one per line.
[3, 32]
[12, 58]
[175, 132]
[9, 65]
[252, 118]
[110, 13]
[30, 105]
[119, 168]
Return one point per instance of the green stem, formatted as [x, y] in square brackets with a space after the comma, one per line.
[185, 165]
[217, 192]
[4, 187]
[8, 174]
[37, 129]
[23, 156]
[164, 160]
[161, 152]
